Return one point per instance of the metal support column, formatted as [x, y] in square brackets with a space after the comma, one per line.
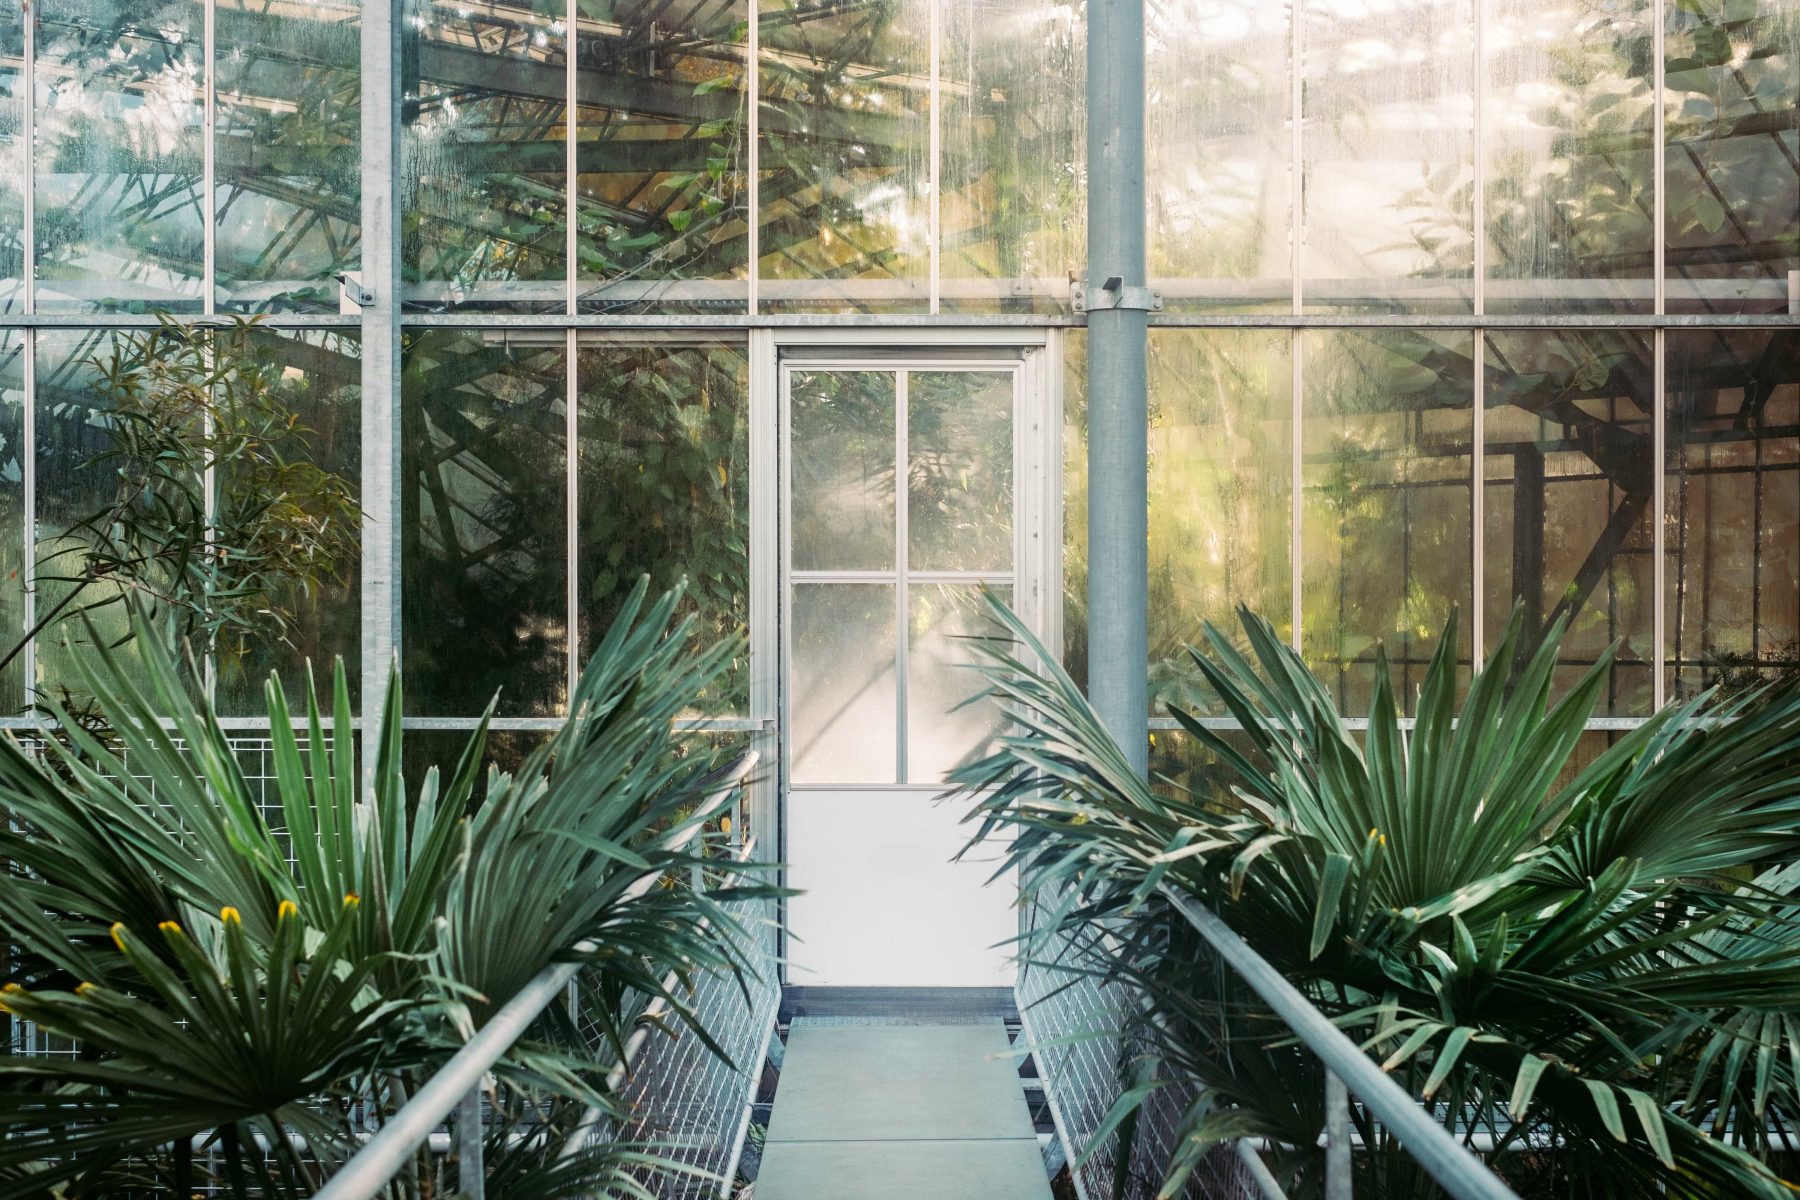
[379, 296]
[1117, 301]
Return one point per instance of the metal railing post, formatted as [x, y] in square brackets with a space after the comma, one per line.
[1337, 1138]
[471, 1173]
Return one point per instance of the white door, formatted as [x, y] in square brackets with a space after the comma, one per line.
[902, 503]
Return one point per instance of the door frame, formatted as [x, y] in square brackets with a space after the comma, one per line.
[1038, 508]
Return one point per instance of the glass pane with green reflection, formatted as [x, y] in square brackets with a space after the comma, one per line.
[662, 481]
[483, 554]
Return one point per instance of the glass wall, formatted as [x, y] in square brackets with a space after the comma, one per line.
[1475, 305]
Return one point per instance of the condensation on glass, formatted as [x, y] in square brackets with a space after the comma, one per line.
[1219, 187]
[484, 142]
[845, 156]
[1732, 164]
[1569, 128]
[119, 157]
[1387, 154]
[662, 142]
[1011, 174]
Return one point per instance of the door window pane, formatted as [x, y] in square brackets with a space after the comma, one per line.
[843, 470]
[942, 731]
[959, 470]
[484, 560]
[843, 702]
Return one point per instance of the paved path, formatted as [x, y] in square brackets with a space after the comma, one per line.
[900, 1112]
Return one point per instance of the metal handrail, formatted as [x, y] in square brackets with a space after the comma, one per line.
[388, 1152]
[1453, 1165]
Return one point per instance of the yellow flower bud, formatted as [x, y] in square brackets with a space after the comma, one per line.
[230, 915]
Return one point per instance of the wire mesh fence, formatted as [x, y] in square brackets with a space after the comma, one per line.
[1071, 1015]
[691, 1103]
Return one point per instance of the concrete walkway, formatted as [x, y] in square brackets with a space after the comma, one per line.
[900, 1112]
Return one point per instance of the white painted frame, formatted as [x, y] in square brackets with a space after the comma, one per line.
[1035, 355]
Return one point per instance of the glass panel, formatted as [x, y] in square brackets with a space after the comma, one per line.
[1218, 147]
[483, 552]
[1733, 159]
[74, 426]
[483, 194]
[13, 152]
[13, 566]
[662, 149]
[846, 96]
[1219, 491]
[120, 118]
[1569, 482]
[844, 702]
[1221, 461]
[321, 382]
[843, 470]
[942, 734]
[1733, 503]
[1388, 430]
[662, 479]
[1013, 155]
[959, 505]
[1074, 525]
[287, 193]
[1389, 155]
[1569, 123]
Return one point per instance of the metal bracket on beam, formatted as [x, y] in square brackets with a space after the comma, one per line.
[354, 291]
[1114, 294]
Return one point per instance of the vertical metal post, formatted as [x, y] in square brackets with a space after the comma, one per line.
[1337, 1138]
[1118, 425]
[471, 1174]
[381, 85]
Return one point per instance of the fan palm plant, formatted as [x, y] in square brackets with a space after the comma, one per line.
[263, 984]
[1596, 973]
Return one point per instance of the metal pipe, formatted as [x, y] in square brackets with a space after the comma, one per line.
[1461, 1174]
[1117, 301]
[381, 148]
[471, 1174]
[1266, 1183]
[1337, 1138]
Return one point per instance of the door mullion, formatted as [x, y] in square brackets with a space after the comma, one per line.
[902, 474]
